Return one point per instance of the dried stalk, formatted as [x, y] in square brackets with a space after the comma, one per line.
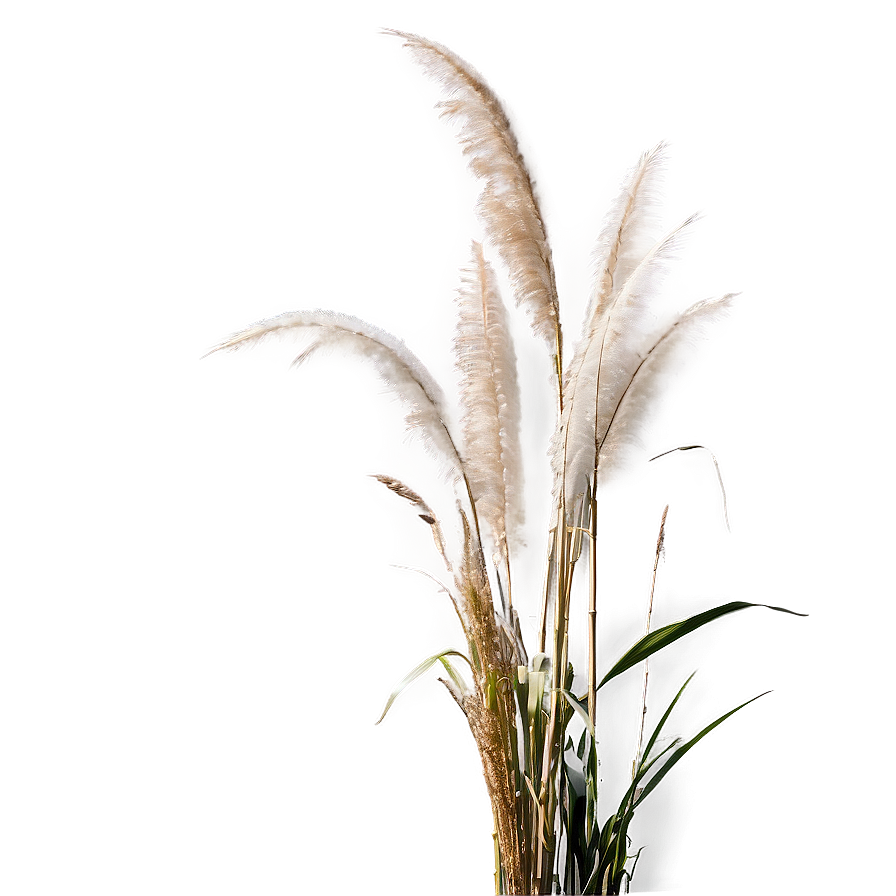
[656, 562]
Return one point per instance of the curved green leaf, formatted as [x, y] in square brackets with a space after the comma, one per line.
[541, 662]
[656, 731]
[580, 708]
[680, 752]
[417, 671]
[537, 681]
[459, 683]
[613, 838]
[663, 637]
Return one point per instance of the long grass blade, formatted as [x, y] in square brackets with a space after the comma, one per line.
[668, 634]
[581, 710]
[685, 747]
[418, 670]
[659, 727]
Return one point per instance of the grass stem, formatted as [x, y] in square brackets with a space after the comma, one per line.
[656, 562]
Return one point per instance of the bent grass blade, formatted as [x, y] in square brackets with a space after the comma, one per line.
[419, 670]
[663, 637]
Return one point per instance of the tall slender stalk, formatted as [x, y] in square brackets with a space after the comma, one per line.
[656, 562]
[549, 565]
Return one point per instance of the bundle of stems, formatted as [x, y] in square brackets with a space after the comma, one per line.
[542, 782]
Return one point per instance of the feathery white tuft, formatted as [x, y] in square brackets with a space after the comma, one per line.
[628, 232]
[396, 364]
[617, 341]
[490, 401]
[632, 404]
[624, 240]
[507, 206]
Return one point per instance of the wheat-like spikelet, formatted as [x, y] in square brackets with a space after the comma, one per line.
[425, 512]
[635, 398]
[507, 206]
[491, 403]
[396, 365]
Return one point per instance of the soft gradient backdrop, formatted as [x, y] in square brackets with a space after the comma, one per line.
[199, 619]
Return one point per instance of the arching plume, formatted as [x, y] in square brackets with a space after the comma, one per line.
[491, 404]
[396, 364]
[617, 341]
[507, 206]
[634, 400]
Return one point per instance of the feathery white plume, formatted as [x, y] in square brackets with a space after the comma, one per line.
[621, 245]
[634, 400]
[616, 343]
[627, 232]
[396, 365]
[491, 402]
[507, 206]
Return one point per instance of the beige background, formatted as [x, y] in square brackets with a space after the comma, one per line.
[200, 622]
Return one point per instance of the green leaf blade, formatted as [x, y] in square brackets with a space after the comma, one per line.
[685, 747]
[419, 670]
[581, 710]
[668, 634]
[656, 731]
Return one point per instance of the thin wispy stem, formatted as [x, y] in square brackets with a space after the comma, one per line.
[425, 512]
[656, 562]
[718, 473]
[592, 608]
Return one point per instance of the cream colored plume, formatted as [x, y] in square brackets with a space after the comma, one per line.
[396, 365]
[626, 276]
[490, 401]
[635, 399]
[617, 341]
[627, 234]
[623, 242]
[507, 206]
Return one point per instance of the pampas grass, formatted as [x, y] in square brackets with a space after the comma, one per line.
[508, 206]
[490, 399]
[534, 719]
[393, 361]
